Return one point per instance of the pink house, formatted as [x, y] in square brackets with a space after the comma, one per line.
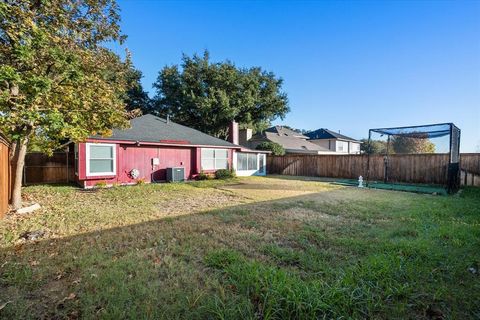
[152, 146]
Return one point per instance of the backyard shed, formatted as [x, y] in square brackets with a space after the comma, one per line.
[151, 147]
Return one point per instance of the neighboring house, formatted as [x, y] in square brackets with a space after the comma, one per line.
[290, 140]
[151, 145]
[334, 141]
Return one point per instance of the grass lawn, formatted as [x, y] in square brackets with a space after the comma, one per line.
[249, 248]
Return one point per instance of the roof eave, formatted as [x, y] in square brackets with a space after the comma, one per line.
[153, 143]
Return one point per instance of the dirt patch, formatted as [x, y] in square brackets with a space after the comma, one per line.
[197, 203]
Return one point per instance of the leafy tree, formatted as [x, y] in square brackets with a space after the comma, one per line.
[256, 127]
[374, 147]
[137, 100]
[277, 149]
[57, 81]
[404, 144]
[208, 96]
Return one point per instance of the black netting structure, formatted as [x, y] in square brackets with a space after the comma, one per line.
[426, 132]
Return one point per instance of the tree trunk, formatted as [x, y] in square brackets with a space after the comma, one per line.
[13, 151]
[21, 151]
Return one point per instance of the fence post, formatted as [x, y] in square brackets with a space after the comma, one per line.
[68, 171]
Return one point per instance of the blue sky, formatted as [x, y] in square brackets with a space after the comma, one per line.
[347, 66]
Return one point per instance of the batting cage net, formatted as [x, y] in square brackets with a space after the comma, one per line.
[442, 138]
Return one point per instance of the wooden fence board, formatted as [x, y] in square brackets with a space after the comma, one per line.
[408, 168]
[5, 185]
[40, 168]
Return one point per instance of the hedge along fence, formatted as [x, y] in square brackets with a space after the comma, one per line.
[409, 168]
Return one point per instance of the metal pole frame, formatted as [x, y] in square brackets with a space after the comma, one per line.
[450, 145]
[369, 151]
[386, 161]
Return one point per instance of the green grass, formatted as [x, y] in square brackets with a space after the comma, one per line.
[247, 248]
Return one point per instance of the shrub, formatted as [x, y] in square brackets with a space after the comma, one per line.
[203, 176]
[224, 174]
[275, 148]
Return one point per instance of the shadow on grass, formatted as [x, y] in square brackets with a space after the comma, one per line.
[157, 269]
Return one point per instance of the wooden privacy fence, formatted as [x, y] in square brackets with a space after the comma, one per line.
[5, 183]
[410, 168]
[40, 168]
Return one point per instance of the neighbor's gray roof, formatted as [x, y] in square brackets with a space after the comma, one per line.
[149, 128]
[327, 134]
[288, 139]
[283, 131]
[293, 143]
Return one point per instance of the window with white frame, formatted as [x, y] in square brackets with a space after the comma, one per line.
[342, 146]
[214, 159]
[101, 159]
[247, 161]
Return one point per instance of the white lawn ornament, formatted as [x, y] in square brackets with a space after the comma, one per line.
[360, 182]
[134, 173]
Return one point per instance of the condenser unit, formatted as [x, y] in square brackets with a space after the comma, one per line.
[175, 174]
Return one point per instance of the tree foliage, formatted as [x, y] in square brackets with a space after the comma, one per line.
[374, 147]
[137, 100]
[275, 148]
[57, 80]
[398, 144]
[403, 144]
[207, 96]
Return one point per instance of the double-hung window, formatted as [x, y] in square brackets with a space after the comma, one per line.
[214, 159]
[101, 159]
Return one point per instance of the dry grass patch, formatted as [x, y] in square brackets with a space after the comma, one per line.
[245, 248]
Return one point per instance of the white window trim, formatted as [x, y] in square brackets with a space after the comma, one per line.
[264, 156]
[87, 159]
[257, 160]
[214, 158]
[256, 172]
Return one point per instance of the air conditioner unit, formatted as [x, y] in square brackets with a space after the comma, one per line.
[175, 174]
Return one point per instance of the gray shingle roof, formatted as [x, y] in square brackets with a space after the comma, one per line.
[149, 128]
[290, 140]
[293, 143]
[327, 134]
[283, 131]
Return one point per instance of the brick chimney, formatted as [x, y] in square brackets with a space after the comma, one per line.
[233, 132]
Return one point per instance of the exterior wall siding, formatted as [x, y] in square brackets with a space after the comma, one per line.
[129, 156]
[323, 143]
[333, 145]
